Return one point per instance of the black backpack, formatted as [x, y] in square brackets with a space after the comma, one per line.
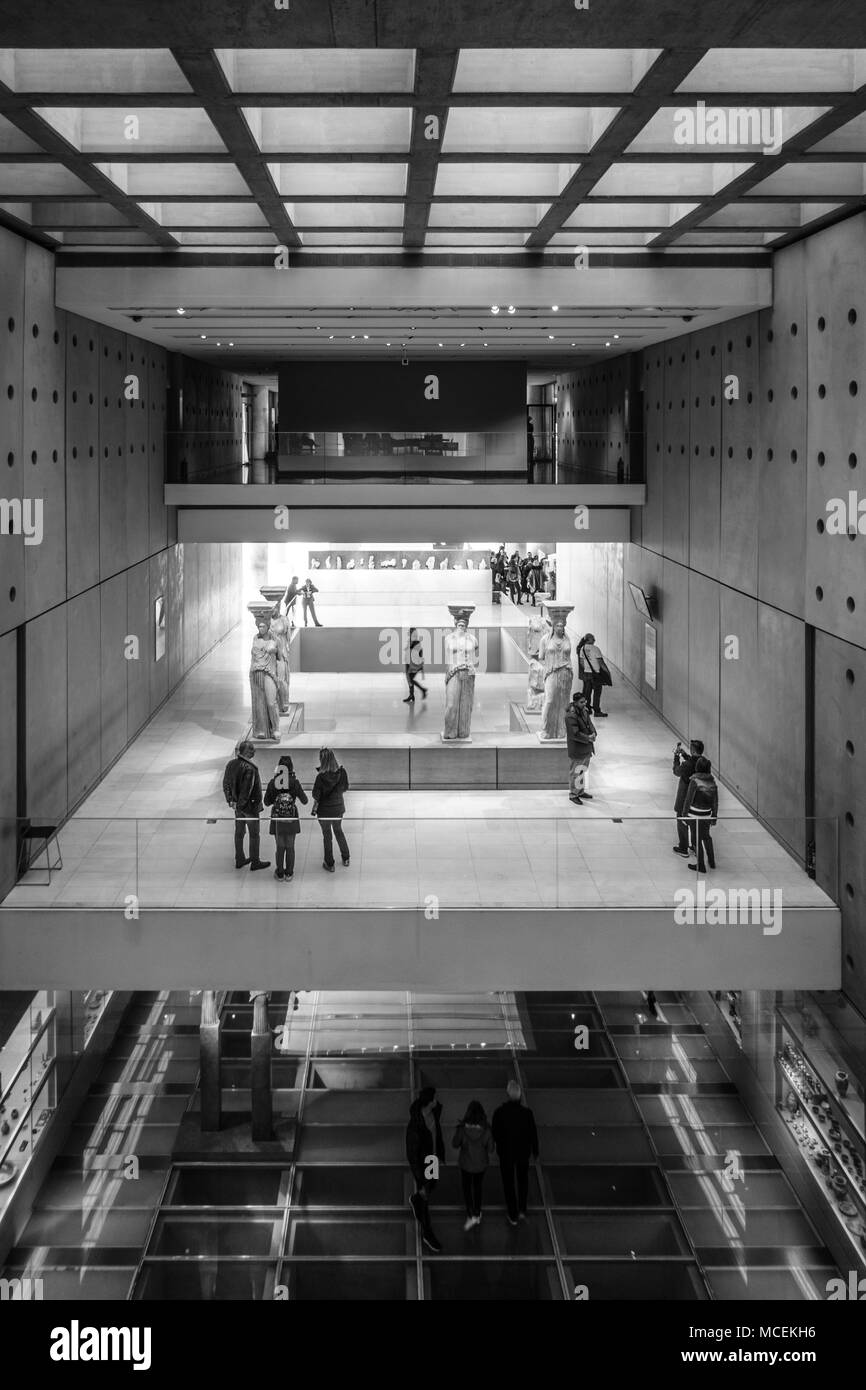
[285, 807]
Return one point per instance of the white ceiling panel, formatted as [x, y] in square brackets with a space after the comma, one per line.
[502, 180]
[551, 69]
[319, 69]
[345, 179]
[332, 129]
[531, 129]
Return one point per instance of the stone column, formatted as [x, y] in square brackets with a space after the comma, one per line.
[260, 1069]
[209, 1043]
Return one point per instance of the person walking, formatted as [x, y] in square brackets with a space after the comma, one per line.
[425, 1154]
[283, 793]
[242, 788]
[474, 1139]
[580, 735]
[414, 666]
[702, 809]
[592, 669]
[683, 770]
[307, 590]
[516, 1140]
[329, 807]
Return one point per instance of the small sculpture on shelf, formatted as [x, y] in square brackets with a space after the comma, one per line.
[280, 632]
[461, 656]
[555, 656]
[263, 677]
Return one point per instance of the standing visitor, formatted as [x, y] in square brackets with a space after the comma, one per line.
[512, 577]
[242, 788]
[683, 770]
[516, 1139]
[474, 1139]
[580, 734]
[425, 1153]
[414, 666]
[283, 793]
[702, 808]
[329, 806]
[290, 597]
[308, 589]
[592, 669]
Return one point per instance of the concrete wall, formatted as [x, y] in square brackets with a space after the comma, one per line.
[734, 541]
[596, 423]
[88, 442]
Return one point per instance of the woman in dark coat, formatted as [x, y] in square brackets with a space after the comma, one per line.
[283, 793]
[329, 806]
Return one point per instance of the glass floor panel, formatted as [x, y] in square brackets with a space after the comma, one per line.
[638, 1281]
[206, 1280]
[492, 1280]
[351, 1234]
[639, 1235]
[348, 1186]
[217, 1237]
[228, 1186]
[354, 1280]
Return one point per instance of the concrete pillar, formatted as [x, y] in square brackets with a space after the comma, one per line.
[260, 1069]
[259, 441]
[209, 1042]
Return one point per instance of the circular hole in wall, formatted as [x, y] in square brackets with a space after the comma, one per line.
[852, 315]
[849, 676]
[35, 330]
[56, 337]
[769, 335]
[748, 340]
[793, 455]
[822, 458]
[770, 394]
[730, 346]
[849, 961]
[12, 592]
[849, 890]
[849, 820]
[10, 323]
[822, 323]
[822, 391]
[10, 391]
[852, 388]
[819, 593]
[849, 748]
[34, 456]
[749, 452]
[820, 525]
[850, 604]
[34, 394]
[770, 455]
[74, 452]
[852, 460]
[10, 458]
[793, 330]
[794, 393]
[54, 455]
[54, 396]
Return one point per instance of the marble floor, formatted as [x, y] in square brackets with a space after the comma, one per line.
[158, 825]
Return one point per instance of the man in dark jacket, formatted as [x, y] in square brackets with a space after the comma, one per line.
[683, 769]
[516, 1140]
[307, 590]
[425, 1153]
[580, 736]
[242, 787]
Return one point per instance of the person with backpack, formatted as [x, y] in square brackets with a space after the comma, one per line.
[702, 809]
[592, 669]
[329, 806]
[683, 770]
[283, 793]
[474, 1139]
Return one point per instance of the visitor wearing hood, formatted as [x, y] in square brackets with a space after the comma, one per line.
[425, 1152]
[474, 1139]
[329, 806]
[702, 809]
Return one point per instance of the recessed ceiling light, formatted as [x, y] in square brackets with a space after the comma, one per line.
[494, 308]
[554, 308]
[353, 337]
[318, 328]
[462, 344]
[616, 335]
[219, 344]
[181, 311]
[231, 344]
[550, 336]
[202, 335]
[330, 337]
[511, 309]
[574, 345]
[607, 344]
[441, 344]
[485, 345]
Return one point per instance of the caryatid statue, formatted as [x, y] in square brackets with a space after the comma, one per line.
[535, 691]
[461, 656]
[554, 654]
[263, 676]
[280, 632]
